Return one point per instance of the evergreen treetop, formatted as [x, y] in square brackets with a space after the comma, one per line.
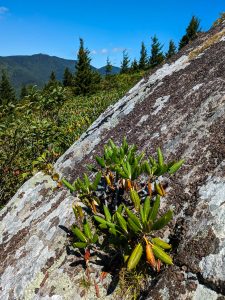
[52, 77]
[193, 28]
[85, 78]
[143, 62]
[52, 81]
[7, 93]
[67, 78]
[23, 92]
[134, 66]
[108, 68]
[157, 56]
[172, 49]
[125, 63]
[183, 42]
[191, 32]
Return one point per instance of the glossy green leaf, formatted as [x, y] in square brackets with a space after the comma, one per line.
[161, 243]
[135, 257]
[160, 157]
[100, 161]
[78, 233]
[163, 221]
[80, 245]
[87, 229]
[162, 255]
[154, 211]
[134, 218]
[108, 216]
[68, 185]
[122, 222]
[176, 166]
[96, 181]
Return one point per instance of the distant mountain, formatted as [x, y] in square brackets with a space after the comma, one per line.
[115, 70]
[36, 69]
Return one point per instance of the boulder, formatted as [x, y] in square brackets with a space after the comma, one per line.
[179, 107]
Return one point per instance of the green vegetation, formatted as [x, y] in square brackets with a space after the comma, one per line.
[86, 80]
[157, 55]
[134, 66]
[122, 215]
[172, 50]
[191, 32]
[7, 93]
[108, 68]
[23, 92]
[48, 122]
[67, 78]
[143, 62]
[34, 69]
[124, 68]
[41, 125]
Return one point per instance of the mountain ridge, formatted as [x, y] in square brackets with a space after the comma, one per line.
[35, 69]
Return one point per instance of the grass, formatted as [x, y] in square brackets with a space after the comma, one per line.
[208, 43]
[131, 284]
[220, 20]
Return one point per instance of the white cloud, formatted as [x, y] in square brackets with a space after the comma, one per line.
[117, 49]
[3, 10]
[104, 51]
[94, 52]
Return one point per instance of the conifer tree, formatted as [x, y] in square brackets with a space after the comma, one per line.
[183, 42]
[124, 68]
[143, 62]
[23, 92]
[85, 79]
[191, 32]
[52, 77]
[134, 66]
[171, 50]
[52, 82]
[108, 68]
[7, 93]
[193, 28]
[67, 78]
[156, 53]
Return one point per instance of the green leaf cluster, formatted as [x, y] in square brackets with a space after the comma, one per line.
[122, 211]
[84, 237]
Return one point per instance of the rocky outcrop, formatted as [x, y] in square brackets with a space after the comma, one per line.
[181, 108]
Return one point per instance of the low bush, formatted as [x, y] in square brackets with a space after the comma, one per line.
[121, 215]
[48, 121]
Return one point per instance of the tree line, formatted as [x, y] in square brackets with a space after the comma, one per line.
[156, 54]
[85, 80]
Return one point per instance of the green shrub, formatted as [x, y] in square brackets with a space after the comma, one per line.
[48, 122]
[122, 206]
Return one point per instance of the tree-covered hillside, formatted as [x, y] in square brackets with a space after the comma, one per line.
[36, 69]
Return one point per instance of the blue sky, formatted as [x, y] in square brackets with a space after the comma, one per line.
[107, 27]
